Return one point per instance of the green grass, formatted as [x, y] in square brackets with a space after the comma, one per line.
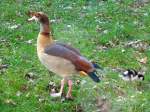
[87, 25]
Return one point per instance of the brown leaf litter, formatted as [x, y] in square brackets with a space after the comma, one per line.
[103, 105]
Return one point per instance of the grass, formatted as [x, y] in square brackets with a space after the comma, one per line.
[87, 25]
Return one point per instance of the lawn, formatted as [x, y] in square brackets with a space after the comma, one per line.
[113, 33]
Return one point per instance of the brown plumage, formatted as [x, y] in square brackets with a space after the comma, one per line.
[80, 63]
[59, 58]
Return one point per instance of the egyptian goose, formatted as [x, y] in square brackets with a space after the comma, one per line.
[60, 58]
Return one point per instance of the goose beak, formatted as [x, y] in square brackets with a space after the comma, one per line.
[34, 18]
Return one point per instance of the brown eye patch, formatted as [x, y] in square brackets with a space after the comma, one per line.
[31, 14]
[37, 15]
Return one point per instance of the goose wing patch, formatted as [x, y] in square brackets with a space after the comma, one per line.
[80, 63]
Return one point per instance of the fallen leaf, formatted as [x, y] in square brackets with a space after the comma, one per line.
[79, 108]
[140, 45]
[23, 88]
[51, 85]
[105, 31]
[18, 37]
[53, 20]
[10, 101]
[29, 41]
[103, 105]
[18, 93]
[41, 99]
[68, 7]
[30, 76]
[14, 26]
[143, 60]
[77, 82]
[101, 47]
[3, 66]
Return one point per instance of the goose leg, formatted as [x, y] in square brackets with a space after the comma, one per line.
[62, 86]
[69, 93]
[61, 89]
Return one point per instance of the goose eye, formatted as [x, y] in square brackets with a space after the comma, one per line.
[37, 15]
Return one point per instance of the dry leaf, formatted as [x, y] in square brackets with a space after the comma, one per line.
[18, 93]
[29, 41]
[3, 66]
[103, 105]
[77, 82]
[41, 99]
[30, 76]
[10, 101]
[23, 88]
[143, 60]
[79, 108]
[14, 26]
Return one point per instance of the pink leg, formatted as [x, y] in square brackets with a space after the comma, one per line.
[62, 86]
[61, 89]
[69, 94]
